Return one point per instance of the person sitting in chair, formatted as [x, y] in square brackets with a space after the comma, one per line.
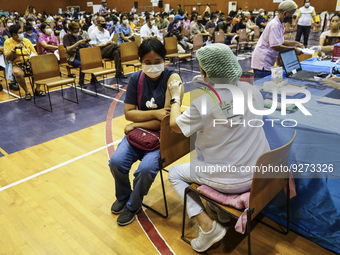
[18, 50]
[228, 144]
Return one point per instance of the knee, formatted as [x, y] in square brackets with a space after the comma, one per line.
[173, 174]
[114, 162]
[17, 72]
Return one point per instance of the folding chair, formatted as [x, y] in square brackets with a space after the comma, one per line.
[63, 60]
[173, 146]
[39, 49]
[170, 44]
[265, 187]
[219, 37]
[46, 72]
[129, 55]
[91, 63]
[197, 42]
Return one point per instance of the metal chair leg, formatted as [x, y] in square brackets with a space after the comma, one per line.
[184, 210]
[248, 230]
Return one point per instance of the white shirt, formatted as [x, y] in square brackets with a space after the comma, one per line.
[306, 16]
[328, 33]
[98, 37]
[93, 26]
[222, 145]
[145, 31]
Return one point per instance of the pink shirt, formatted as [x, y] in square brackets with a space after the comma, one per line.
[264, 56]
[52, 40]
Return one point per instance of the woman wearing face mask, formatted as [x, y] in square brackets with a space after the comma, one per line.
[30, 12]
[32, 22]
[124, 30]
[216, 145]
[5, 32]
[49, 42]
[305, 15]
[15, 49]
[186, 22]
[154, 105]
[58, 27]
[211, 22]
[272, 41]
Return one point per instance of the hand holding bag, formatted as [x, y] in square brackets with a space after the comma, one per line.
[141, 138]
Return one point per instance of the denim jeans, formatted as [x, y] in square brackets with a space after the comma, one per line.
[261, 73]
[76, 63]
[120, 165]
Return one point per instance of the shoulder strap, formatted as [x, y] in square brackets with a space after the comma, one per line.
[140, 88]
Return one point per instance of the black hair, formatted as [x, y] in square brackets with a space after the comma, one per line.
[122, 16]
[179, 5]
[229, 19]
[14, 29]
[151, 45]
[114, 18]
[305, 1]
[28, 28]
[43, 26]
[213, 16]
[222, 13]
[147, 16]
[335, 15]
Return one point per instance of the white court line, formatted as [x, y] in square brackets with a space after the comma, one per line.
[57, 166]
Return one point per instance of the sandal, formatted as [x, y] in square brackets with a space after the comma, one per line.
[28, 96]
[39, 93]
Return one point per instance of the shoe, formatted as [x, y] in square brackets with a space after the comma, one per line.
[118, 206]
[95, 81]
[206, 239]
[39, 93]
[121, 75]
[126, 216]
[13, 86]
[28, 96]
[222, 216]
[81, 84]
[72, 75]
[1, 87]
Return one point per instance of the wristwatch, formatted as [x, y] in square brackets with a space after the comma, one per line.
[175, 100]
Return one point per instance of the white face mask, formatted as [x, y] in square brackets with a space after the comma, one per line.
[307, 5]
[76, 34]
[9, 24]
[152, 22]
[21, 36]
[48, 31]
[29, 34]
[179, 23]
[262, 13]
[276, 13]
[125, 21]
[153, 71]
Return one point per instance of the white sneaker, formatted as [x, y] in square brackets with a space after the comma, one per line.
[206, 239]
[222, 216]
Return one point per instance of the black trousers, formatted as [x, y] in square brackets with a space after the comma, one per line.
[305, 30]
[113, 51]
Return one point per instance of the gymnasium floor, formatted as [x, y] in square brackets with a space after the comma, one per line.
[57, 190]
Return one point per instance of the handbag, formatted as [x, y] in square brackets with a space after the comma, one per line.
[26, 65]
[141, 138]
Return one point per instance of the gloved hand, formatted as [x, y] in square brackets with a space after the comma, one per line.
[331, 83]
[315, 48]
[151, 104]
[175, 88]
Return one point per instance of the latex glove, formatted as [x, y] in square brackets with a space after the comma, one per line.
[175, 88]
[330, 83]
[316, 48]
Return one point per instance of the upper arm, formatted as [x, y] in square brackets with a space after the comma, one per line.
[173, 76]
[127, 108]
[322, 41]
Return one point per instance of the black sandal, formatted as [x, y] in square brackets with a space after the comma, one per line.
[28, 96]
[39, 93]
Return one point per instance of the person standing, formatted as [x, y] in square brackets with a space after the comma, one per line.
[272, 41]
[305, 15]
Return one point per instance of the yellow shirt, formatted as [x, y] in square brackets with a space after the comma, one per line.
[26, 49]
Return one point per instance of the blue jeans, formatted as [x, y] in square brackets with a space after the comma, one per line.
[261, 73]
[120, 164]
[76, 63]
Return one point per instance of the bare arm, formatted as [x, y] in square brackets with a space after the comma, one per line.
[328, 48]
[48, 46]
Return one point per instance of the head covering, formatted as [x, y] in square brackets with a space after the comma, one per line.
[219, 63]
[261, 10]
[177, 16]
[288, 6]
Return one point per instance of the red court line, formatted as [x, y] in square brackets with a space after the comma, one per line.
[144, 221]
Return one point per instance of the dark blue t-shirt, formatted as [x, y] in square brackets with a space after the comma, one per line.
[260, 20]
[151, 89]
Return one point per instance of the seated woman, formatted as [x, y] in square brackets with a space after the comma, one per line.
[5, 32]
[73, 42]
[49, 42]
[124, 31]
[221, 146]
[58, 27]
[211, 22]
[333, 32]
[155, 103]
[16, 49]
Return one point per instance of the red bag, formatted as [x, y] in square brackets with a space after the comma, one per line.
[141, 138]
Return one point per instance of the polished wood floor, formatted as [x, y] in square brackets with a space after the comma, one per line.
[66, 210]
